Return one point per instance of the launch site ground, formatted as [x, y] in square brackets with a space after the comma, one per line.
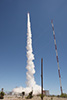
[34, 98]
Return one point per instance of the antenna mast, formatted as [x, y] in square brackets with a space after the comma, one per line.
[57, 56]
[41, 78]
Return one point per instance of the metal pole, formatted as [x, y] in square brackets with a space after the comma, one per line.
[57, 56]
[41, 78]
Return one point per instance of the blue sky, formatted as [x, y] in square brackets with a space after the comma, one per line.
[13, 30]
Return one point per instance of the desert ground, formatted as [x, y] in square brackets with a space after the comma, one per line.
[34, 98]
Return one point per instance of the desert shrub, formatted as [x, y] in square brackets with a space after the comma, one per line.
[51, 98]
[52, 95]
[40, 95]
[58, 96]
[23, 93]
[2, 95]
[64, 95]
[30, 95]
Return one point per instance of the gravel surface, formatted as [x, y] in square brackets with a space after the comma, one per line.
[34, 98]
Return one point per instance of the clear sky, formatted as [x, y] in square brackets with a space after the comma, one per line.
[13, 34]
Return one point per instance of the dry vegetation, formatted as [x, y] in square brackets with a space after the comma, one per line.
[34, 98]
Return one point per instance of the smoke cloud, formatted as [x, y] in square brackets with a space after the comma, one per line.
[30, 57]
[31, 84]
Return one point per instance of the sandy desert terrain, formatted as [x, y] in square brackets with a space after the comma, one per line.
[34, 98]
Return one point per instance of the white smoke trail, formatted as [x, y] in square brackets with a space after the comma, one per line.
[31, 84]
[30, 57]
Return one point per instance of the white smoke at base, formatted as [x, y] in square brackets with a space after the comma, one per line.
[36, 90]
[31, 84]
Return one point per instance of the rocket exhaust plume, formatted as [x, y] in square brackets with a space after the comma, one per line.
[30, 57]
[31, 84]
